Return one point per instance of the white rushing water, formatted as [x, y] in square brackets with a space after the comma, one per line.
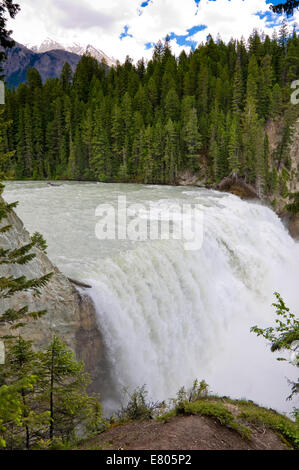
[168, 315]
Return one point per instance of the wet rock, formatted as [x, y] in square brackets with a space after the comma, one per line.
[238, 187]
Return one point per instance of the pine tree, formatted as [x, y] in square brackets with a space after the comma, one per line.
[261, 176]
[5, 157]
[101, 155]
[172, 106]
[7, 8]
[192, 140]
[286, 136]
[148, 157]
[21, 363]
[72, 171]
[265, 88]
[215, 156]
[105, 123]
[63, 390]
[234, 149]
[38, 137]
[170, 152]
[267, 171]
[66, 78]
[253, 79]
[87, 132]
[203, 89]
[117, 135]
[288, 7]
[238, 89]
[11, 409]
[276, 101]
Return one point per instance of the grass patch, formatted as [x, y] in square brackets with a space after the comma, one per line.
[252, 413]
[204, 407]
[278, 423]
[247, 413]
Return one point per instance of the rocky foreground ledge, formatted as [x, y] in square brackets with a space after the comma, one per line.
[70, 313]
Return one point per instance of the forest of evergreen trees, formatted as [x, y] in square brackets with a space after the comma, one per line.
[206, 112]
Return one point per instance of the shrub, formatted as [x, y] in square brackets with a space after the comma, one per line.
[137, 408]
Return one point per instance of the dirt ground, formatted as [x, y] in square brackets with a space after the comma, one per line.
[183, 433]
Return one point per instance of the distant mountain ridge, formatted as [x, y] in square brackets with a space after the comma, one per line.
[48, 58]
[75, 48]
[49, 64]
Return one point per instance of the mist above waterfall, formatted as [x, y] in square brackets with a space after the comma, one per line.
[169, 315]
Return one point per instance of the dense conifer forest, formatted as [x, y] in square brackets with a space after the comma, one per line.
[206, 112]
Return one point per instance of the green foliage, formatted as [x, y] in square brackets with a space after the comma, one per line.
[246, 413]
[219, 412]
[287, 7]
[283, 335]
[46, 411]
[196, 392]
[11, 409]
[63, 392]
[286, 330]
[147, 123]
[39, 242]
[293, 207]
[137, 407]
[8, 8]
[277, 422]
[198, 401]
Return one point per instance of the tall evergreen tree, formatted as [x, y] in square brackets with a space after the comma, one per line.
[63, 390]
[192, 140]
[234, 149]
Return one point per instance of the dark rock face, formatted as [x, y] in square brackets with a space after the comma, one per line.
[294, 227]
[90, 348]
[292, 224]
[238, 187]
[49, 64]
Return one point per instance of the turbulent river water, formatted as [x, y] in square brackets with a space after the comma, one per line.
[169, 315]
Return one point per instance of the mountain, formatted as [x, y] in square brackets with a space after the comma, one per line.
[48, 58]
[46, 46]
[49, 63]
[75, 48]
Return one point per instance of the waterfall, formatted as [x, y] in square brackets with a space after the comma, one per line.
[167, 315]
[170, 316]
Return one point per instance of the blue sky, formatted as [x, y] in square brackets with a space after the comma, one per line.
[121, 27]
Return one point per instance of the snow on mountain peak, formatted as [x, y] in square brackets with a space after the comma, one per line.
[50, 44]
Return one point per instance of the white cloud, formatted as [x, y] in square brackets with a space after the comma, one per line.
[234, 18]
[101, 23]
